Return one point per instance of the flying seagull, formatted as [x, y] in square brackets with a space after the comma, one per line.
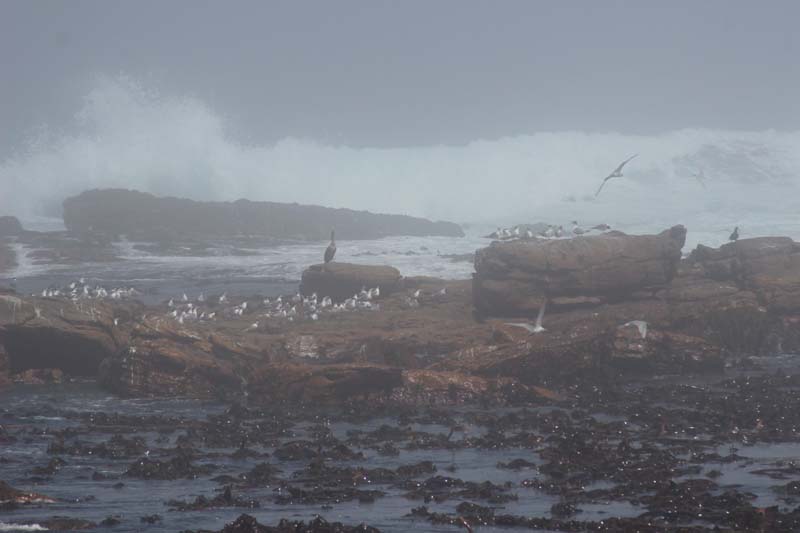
[616, 174]
[532, 329]
[330, 251]
[700, 176]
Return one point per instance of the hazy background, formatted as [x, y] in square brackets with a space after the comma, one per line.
[450, 109]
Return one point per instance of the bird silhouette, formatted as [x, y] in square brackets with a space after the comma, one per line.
[616, 174]
[330, 251]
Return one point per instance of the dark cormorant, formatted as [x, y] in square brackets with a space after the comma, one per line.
[735, 235]
[330, 251]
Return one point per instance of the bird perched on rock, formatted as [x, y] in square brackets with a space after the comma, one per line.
[616, 174]
[330, 251]
[735, 235]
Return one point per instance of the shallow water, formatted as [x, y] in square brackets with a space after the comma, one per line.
[36, 410]
[33, 413]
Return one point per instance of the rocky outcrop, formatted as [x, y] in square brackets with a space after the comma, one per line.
[767, 266]
[333, 383]
[10, 495]
[142, 216]
[8, 259]
[70, 337]
[514, 278]
[10, 226]
[420, 343]
[162, 357]
[342, 280]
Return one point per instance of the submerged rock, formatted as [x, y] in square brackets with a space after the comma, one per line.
[11, 496]
[248, 524]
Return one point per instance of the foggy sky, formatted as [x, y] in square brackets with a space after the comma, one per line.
[385, 73]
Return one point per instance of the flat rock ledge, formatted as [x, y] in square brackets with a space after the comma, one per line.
[340, 281]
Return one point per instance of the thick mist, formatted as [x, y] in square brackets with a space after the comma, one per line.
[131, 136]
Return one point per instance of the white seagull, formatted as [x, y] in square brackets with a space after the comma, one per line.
[616, 174]
[532, 329]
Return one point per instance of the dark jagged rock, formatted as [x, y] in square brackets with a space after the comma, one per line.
[768, 266]
[325, 383]
[64, 523]
[248, 524]
[176, 468]
[142, 216]
[225, 499]
[10, 495]
[340, 281]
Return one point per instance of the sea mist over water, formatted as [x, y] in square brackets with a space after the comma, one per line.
[128, 136]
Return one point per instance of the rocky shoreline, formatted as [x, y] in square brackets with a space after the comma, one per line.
[580, 413]
[615, 303]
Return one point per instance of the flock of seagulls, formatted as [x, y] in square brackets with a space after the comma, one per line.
[80, 290]
[551, 231]
[289, 308]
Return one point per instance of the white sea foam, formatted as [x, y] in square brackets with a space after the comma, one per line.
[131, 137]
[21, 527]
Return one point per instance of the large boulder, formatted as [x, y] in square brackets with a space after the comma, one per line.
[10, 226]
[514, 278]
[342, 280]
[164, 358]
[43, 333]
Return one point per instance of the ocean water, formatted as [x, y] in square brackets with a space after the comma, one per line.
[132, 136]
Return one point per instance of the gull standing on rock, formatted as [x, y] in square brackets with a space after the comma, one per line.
[616, 174]
[735, 235]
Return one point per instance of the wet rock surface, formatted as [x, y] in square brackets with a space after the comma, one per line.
[605, 454]
[248, 524]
